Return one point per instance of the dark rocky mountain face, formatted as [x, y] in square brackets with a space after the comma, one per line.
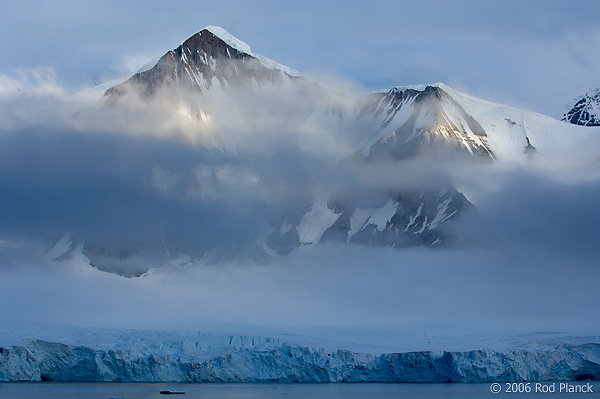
[394, 220]
[202, 61]
[586, 111]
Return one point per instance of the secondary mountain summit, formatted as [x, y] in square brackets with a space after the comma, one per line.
[584, 110]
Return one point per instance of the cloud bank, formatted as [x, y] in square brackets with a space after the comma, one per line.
[109, 176]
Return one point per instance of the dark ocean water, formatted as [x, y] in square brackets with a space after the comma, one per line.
[43, 390]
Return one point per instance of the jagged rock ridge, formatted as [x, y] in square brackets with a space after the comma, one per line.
[585, 111]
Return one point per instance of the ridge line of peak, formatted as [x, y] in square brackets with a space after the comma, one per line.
[244, 48]
[417, 87]
[229, 39]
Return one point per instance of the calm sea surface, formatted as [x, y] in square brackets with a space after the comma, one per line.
[269, 391]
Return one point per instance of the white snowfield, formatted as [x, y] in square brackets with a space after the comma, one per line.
[508, 128]
[315, 222]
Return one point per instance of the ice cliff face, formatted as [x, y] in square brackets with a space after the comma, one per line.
[585, 110]
[40, 360]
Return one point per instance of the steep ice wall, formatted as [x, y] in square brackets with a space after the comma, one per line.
[41, 360]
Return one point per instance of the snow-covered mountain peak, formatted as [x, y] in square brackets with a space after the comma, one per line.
[244, 48]
[210, 58]
[228, 38]
[584, 110]
[423, 118]
[416, 119]
[420, 87]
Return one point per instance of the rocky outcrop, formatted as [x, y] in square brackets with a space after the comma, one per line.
[393, 220]
[585, 111]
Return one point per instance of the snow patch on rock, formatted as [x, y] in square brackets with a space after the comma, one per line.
[315, 222]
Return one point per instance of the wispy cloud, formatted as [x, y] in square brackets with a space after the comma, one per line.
[112, 176]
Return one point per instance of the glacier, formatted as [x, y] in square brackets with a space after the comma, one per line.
[255, 359]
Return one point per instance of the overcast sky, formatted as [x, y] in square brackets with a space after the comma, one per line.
[532, 54]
